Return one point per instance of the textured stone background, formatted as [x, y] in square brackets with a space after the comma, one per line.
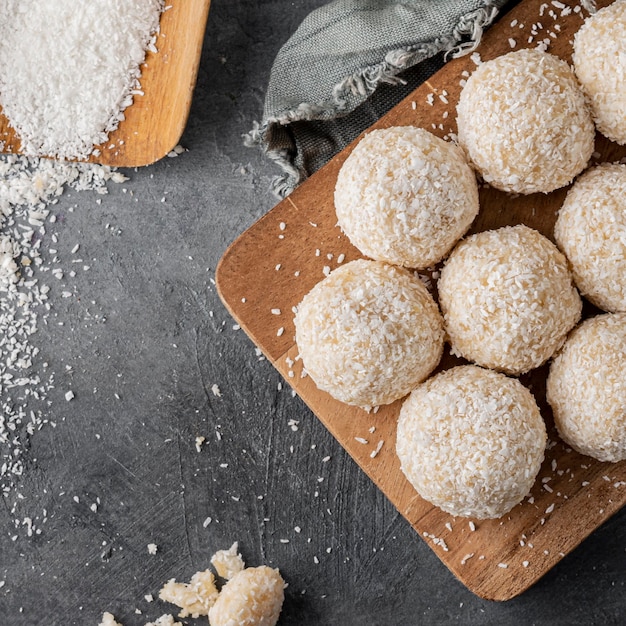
[146, 323]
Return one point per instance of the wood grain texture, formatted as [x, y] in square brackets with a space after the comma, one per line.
[155, 121]
[279, 259]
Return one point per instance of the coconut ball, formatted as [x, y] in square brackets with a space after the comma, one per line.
[368, 333]
[600, 64]
[523, 120]
[587, 388]
[405, 196]
[471, 441]
[591, 231]
[507, 298]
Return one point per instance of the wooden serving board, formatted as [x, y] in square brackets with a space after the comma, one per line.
[155, 121]
[279, 259]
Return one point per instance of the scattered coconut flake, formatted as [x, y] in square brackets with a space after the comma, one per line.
[438, 541]
[377, 449]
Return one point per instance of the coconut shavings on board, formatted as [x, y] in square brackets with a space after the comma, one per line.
[69, 69]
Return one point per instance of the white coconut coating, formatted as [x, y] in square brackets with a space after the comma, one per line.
[471, 441]
[405, 196]
[600, 64]
[508, 299]
[591, 230]
[524, 122]
[587, 388]
[368, 333]
[252, 597]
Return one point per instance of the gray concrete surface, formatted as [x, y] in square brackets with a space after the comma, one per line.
[146, 338]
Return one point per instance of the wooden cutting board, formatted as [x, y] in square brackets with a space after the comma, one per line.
[155, 121]
[279, 259]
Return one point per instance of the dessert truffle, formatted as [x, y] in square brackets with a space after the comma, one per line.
[524, 122]
[368, 333]
[508, 299]
[587, 388]
[471, 441]
[405, 196]
[590, 231]
[600, 65]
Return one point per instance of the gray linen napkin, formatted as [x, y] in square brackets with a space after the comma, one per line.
[328, 81]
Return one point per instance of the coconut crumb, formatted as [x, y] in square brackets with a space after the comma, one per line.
[438, 541]
[252, 597]
[194, 598]
[165, 620]
[108, 620]
[227, 562]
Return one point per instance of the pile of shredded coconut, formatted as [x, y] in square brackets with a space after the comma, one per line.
[28, 189]
[471, 441]
[600, 64]
[68, 69]
[508, 299]
[524, 122]
[591, 231]
[587, 388]
[405, 196]
[368, 333]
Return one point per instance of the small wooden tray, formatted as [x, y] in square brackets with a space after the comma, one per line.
[279, 259]
[155, 121]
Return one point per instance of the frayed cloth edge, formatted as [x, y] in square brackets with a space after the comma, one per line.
[463, 40]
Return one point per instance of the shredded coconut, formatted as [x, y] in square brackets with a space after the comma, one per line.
[227, 562]
[194, 598]
[252, 597]
[28, 188]
[62, 90]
